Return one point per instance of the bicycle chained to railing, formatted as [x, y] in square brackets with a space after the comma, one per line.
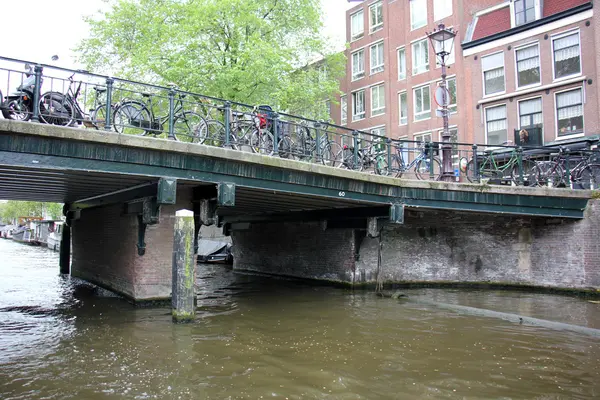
[364, 154]
[502, 164]
[425, 165]
[570, 169]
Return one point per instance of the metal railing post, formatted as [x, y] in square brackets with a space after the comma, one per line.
[109, 90]
[172, 113]
[475, 164]
[429, 145]
[569, 182]
[520, 163]
[388, 142]
[318, 140]
[275, 134]
[355, 143]
[227, 119]
[37, 70]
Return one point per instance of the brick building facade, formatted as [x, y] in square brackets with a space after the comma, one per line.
[515, 64]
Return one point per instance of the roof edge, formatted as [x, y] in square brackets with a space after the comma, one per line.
[526, 27]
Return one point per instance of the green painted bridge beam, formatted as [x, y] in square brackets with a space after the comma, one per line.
[312, 215]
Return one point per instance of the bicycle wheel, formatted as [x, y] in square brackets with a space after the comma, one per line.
[330, 151]
[215, 132]
[484, 173]
[589, 177]
[550, 173]
[424, 167]
[347, 160]
[287, 148]
[98, 116]
[261, 141]
[133, 118]
[530, 173]
[187, 127]
[56, 109]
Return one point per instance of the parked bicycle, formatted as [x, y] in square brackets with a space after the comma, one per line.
[309, 148]
[135, 117]
[502, 164]
[368, 155]
[584, 173]
[62, 108]
[423, 166]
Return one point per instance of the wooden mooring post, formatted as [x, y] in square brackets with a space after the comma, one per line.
[184, 268]
[65, 250]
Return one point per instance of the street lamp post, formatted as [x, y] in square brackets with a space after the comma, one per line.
[442, 41]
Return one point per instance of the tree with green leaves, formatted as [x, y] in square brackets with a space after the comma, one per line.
[11, 210]
[239, 50]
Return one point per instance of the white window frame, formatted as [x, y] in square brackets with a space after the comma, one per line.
[355, 36]
[574, 135]
[513, 19]
[400, 108]
[381, 109]
[529, 99]
[373, 28]
[360, 74]
[485, 122]
[416, 71]
[452, 108]
[483, 71]
[404, 150]
[379, 67]
[531, 44]
[363, 115]
[343, 104]
[561, 35]
[422, 5]
[420, 137]
[441, 5]
[415, 103]
[401, 49]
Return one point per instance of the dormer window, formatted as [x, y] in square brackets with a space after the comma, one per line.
[524, 11]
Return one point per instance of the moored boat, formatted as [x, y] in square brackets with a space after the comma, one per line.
[55, 235]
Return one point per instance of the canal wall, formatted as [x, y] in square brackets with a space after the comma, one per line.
[433, 247]
[105, 252]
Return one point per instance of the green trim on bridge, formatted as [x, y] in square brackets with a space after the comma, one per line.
[42, 147]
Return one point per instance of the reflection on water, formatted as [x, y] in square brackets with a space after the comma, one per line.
[258, 338]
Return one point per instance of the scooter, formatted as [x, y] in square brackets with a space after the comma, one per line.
[19, 105]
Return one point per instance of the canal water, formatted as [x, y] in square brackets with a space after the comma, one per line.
[261, 338]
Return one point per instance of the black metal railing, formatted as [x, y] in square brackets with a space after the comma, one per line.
[76, 98]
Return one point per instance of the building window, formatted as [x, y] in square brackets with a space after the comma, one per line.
[451, 85]
[495, 125]
[376, 12]
[422, 137]
[358, 64]
[493, 73]
[528, 66]
[441, 9]
[420, 59]
[357, 25]
[530, 113]
[418, 13]
[344, 109]
[448, 44]
[403, 148]
[569, 112]
[403, 107]
[401, 63]
[377, 100]
[567, 58]
[524, 11]
[378, 142]
[377, 58]
[358, 105]
[422, 103]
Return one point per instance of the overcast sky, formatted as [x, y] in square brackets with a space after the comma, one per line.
[54, 27]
